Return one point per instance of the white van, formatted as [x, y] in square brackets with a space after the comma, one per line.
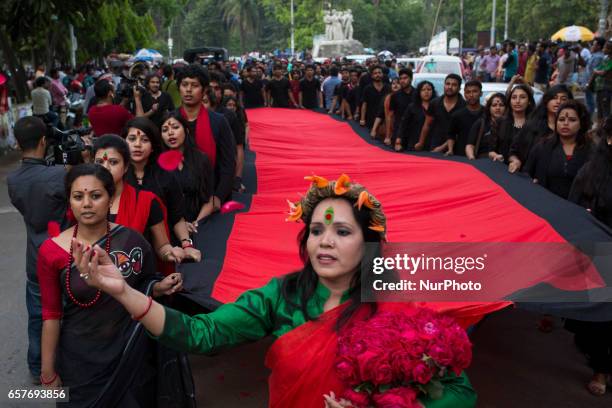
[441, 64]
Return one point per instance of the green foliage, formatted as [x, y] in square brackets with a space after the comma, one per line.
[242, 17]
[537, 19]
[203, 26]
[118, 28]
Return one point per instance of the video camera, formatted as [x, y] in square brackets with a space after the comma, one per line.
[126, 87]
[65, 147]
[135, 78]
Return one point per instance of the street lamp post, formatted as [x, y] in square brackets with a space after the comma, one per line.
[73, 46]
[170, 44]
[292, 32]
[506, 22]
[493, 23]
[461, 29]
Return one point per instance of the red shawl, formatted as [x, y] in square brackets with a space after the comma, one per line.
[203, 134]
[134, 209]
[302, 360]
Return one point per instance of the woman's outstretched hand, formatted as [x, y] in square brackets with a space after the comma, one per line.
[97, 269]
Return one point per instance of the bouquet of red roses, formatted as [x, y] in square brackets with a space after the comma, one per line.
[391, 358]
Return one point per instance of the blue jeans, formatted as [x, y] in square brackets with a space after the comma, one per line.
[34, 326]
[589, 98]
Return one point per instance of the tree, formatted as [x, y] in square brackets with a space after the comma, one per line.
[31, 29]
[35, 25]
[118, 27]
[538, 20]
[242, 16]
[203, 25]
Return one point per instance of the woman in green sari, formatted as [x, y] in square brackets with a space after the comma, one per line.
[304, 310]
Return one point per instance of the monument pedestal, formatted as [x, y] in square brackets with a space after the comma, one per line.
[337, 48]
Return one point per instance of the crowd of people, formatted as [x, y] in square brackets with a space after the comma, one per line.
[123, 219]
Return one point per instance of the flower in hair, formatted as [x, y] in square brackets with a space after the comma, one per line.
[374, 226]
[364, 199]
[320, 182]
[343, 184]
[295, 211]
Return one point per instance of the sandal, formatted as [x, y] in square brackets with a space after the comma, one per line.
[398, 147]
[596, 388]
[387, 141]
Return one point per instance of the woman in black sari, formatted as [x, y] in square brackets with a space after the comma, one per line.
[592, 189]
[195, 173]
[414, 117]
[482, 133]
[541, 123]
[144, 173]
[555, 162]
[89, 343]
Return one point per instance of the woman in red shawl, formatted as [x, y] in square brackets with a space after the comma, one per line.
[305, 310]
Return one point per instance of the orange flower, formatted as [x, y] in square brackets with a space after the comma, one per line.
[364, 198]
[376, 227]
[320, 182]
[295, 211]
[342, 184]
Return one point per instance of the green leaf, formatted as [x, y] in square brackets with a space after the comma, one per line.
[366, 386]
[434, 389]
[384, 387]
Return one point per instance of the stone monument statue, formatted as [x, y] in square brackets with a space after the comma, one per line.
[327, 19]
[337, 25]
[348, 24]
[338, 38]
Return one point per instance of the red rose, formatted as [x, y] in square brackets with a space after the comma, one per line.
[441, 355]
[402, 366]
[358, 399]
[366, 362]
[463, 358]
[383, 373]
[421, 373]
[347, 371]
[402, 397]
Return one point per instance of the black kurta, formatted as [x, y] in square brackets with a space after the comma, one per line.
[411, 124]
[553, 169]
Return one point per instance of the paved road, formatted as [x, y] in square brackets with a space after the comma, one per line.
[514, 364]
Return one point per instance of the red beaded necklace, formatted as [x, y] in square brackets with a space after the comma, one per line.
[71, 260]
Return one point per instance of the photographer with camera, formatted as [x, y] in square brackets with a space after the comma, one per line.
[106, 117]
[37, 191]
[154, 103]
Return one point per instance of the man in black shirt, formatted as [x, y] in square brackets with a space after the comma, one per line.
[155, 103]
[252, 92]
[37, 191]
[373, 96]
[544, 62]
[279, 89]
[400, 100]
[260, 71]
[354, 94]
[193, 82]
[463, 119]
[310, 90]
[435, 129]
[216, 104]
